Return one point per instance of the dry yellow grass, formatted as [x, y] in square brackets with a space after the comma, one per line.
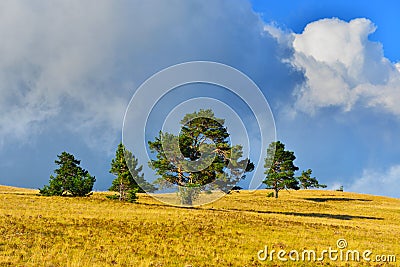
[95, 231]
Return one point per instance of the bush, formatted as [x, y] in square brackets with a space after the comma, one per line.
[132, 196]
[340, 189]
[113, 197]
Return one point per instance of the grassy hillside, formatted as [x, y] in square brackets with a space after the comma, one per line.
[95, 231]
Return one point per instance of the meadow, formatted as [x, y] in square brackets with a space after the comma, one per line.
[96, 231]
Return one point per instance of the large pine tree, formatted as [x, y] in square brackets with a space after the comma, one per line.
[202, 136]
[129, 178]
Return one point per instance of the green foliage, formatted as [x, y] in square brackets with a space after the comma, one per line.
[270, 194]
[280, 168]
[113, 197]
[306, 181]
[55, 187]
[340, 189]
[132, 196]
[70, 179]
[128, 175]
[202, 136]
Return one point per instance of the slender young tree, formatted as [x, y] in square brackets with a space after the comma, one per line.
[280, 168]
[200, 155]
[306, 181]
[70, 178]
[129, 180]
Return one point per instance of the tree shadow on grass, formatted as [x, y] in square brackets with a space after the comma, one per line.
[323, 215]
[300, 214]
[325, 199]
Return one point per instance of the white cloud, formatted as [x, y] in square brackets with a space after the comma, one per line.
[374, 182]
[76, 63]
[283, 37]
[398, 66]
[342, 67]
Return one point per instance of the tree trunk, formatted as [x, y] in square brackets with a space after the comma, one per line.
[276, 192]
[186, 195]
[120, 192]
[187, 201]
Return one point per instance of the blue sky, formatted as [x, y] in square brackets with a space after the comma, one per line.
[329, 70]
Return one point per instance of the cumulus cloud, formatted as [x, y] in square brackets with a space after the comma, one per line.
[343, 67]
[77, 63]
[386, 182]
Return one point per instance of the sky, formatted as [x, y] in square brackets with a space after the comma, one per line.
[330, 71]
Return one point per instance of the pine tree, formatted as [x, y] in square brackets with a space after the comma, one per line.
[70, 179]
[280, 168]
[202, 136]
[129, 180]
[306, 181]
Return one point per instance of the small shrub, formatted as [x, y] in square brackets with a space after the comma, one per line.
[113, 197]
[270, 194]
[132, 196]
[340, 189]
